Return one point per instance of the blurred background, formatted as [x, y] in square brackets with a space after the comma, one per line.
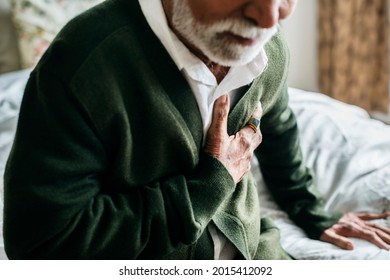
[341, 48]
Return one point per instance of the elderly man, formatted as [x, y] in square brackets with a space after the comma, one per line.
[137, 130]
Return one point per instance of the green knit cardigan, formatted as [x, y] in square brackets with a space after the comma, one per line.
[107, 160]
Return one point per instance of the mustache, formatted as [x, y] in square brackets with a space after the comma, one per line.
[240, 27]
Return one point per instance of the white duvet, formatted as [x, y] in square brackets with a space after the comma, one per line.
[11, 91]
[349, 152]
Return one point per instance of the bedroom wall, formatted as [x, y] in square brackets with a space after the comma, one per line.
[301, 34]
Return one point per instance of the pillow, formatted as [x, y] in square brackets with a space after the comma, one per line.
[38, 21]
[9, 54]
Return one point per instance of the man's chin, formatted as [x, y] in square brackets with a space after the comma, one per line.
[240, 50]
[239, 58]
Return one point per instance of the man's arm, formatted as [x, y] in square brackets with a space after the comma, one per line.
[289, 180]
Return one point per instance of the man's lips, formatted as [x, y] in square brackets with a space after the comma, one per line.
[240, 40]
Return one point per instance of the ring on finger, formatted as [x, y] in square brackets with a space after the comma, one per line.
[254, 124]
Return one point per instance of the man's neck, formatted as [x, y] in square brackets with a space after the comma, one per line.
[218, 71]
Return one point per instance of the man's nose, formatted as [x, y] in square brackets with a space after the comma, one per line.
[263, 13]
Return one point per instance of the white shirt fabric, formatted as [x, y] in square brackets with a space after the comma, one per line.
[205, 88]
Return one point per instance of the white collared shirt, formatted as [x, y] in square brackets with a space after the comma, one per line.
[204, 86]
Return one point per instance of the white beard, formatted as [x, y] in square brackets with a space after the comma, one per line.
[212, 39]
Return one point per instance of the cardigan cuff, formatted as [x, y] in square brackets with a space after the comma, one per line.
[211, 185]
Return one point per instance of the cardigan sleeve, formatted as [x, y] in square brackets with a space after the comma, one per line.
[55, 206]
[288, 179]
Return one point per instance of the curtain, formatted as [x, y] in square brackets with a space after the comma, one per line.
[353, 52]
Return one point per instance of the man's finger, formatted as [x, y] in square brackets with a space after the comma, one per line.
[331, 237]
[258, 112]
[352, 229]
[220, 115]
[382, 228]
[384, 236]
[372, 216]
[255, 120]
[382, 232]
[373, 237]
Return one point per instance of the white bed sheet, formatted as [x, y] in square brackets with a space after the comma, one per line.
[349, 152]
[11, 91]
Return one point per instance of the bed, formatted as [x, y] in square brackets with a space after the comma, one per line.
[350, 155]
[348, 151]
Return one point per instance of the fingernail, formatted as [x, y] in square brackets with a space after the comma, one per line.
[349, 246]
[223, 99]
